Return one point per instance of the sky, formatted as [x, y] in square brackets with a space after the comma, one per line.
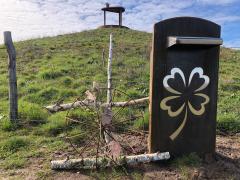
[28, 19]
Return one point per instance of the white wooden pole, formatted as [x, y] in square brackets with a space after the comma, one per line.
[109, 86]
[109, 71]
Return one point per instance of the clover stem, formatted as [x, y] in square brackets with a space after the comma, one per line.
[179, 129]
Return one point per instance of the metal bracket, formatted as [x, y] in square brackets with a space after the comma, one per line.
[178, 40]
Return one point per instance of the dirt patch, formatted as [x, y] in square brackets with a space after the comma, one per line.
[227, 162]
[226, 165]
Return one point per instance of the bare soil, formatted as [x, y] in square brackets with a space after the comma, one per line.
[226, 165]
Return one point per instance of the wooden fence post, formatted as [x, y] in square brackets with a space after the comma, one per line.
[103, 57]
[13, 95]
[109, 72]
[108, 110]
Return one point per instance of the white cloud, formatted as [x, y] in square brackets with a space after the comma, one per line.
[28, 19]
[223, 19]
[36, 18]
[216, 2]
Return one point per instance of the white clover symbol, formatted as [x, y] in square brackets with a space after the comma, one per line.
[178, 94]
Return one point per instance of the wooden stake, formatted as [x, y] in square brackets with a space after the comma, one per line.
[109, 72]
[13, 95]
[109, 86]
[103, 57]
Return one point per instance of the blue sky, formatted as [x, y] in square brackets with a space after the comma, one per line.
[38, 18]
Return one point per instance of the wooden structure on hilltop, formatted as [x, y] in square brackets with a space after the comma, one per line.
[113, 9]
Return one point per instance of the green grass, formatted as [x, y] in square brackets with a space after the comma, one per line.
[13, 144]
[32, 113]
[65, 66]
[229, 92]
[142, 123]
[186, 164]
[56, 124]
[7, 125]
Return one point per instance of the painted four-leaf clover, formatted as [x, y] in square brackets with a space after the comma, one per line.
[187, 104]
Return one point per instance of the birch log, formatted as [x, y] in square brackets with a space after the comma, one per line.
[128, 103]
[13, 94]
[65, 107]
[91, 163]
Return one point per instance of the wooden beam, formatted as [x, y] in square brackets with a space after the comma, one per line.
[13, 94]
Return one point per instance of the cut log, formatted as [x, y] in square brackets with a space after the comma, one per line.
[65, 107]
[91, 163]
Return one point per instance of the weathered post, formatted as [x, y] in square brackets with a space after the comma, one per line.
[13, 94]
[108, 110]
[109, 79]
[183, 86]
[103, 57]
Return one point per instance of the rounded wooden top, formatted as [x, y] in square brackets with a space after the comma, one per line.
[114, 9]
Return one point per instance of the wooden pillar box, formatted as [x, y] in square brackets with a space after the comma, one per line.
[183, 86]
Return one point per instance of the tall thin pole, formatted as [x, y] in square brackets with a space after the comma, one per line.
[13, 94]
[108, 111]
[103, 57]
[109, 71]
[104, 18]
[120, 18]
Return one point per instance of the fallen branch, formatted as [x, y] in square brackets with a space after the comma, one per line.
[128, 103]
[64, 107]
[91, 163]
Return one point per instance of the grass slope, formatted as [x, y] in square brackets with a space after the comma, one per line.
[64, 67]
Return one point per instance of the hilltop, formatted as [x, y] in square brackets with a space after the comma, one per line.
[64, 67]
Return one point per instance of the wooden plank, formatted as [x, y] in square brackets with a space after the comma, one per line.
[13, 94]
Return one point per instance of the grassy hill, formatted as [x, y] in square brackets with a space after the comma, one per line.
[65, 67]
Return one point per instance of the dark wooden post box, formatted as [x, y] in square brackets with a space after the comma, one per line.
[183, 86]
